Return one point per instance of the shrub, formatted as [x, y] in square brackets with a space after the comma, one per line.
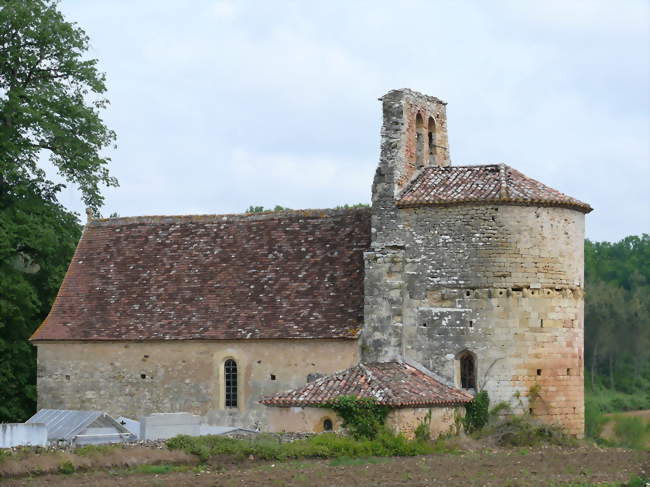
[66, 467]
[363, 417]
[477, 412]
[594, 420]
[326, 445]
[423, 430]
[523, 431]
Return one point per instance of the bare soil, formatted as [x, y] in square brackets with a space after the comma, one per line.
[524, 467]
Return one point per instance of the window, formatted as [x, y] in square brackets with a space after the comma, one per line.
[432, 142]
[327, 425]
[419, 141]
[230, 372]
[467, 371]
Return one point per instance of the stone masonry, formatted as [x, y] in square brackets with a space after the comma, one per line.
[501, 281]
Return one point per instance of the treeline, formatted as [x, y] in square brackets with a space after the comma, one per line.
[617, 316]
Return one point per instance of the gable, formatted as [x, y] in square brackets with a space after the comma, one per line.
[224, 277]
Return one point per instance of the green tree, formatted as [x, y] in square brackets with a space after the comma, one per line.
[50, 99]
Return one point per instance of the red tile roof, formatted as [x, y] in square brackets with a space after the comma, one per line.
[497, 183]
[394, 384]
[296, 274]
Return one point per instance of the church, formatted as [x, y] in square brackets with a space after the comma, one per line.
[457, 279]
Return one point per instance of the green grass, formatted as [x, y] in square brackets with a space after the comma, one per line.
[609, 401]
[347, 461]
[328, 445]
[631, 432]
[633, 482]
[524, 431]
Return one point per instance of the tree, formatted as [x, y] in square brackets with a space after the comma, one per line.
[50, 99]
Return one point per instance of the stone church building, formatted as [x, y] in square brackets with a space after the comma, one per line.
[457, 279]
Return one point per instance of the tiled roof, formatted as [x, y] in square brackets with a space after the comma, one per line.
[497, 183]
[394, 384]
[296, 274]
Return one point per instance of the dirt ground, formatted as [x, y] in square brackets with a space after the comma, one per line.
[544, 466]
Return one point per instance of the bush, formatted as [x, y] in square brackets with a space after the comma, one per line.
[524, 431]
[477, 412]
[327, 445]
[362, 417]
[66, 467]
[594, 420]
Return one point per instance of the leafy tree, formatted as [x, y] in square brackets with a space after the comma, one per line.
[50, 98]
[617, 318]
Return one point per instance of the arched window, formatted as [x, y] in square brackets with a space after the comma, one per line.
[432, 142]
[230, 373]
[327, 425]
[419, 141]
[467, 371]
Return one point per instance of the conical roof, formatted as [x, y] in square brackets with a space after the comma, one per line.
[495, 183]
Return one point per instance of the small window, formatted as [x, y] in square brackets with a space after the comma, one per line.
[327, 425]
[143, 376]
[539, 371]
[67, 377]
[541, 323]
[568, 371]
[467, 371]
[419, 141]
[272, 376]
[230, 372]
[432, 142]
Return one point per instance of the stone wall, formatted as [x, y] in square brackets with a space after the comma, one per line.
[136, 379]
[504, 282]
[302, 420]
[406, 420]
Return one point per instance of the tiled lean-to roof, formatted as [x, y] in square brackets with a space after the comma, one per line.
[393, 384]
[295, 274]
[497, 183]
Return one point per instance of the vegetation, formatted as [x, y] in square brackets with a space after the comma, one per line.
[327, 445]
[50, 98]
[261, 209]
[362, 417]
[617, 320]
[523, 430]
[477, 412]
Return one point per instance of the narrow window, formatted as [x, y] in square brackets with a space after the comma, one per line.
[467, 371]
[419, 141]
[230, 370]
[539, 371]
[568, 371]
[432, 142]
[327, 425]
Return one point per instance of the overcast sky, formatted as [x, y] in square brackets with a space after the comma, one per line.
[219, 105]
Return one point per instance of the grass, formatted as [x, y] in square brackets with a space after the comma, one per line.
[631, 432]
[609, 401]
[328, 445]
[633, 482]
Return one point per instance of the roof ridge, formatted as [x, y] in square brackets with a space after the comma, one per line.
[228, 217]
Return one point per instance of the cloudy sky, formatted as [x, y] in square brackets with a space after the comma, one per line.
[221, 104]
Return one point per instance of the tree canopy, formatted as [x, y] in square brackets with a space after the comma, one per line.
[50, 102]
